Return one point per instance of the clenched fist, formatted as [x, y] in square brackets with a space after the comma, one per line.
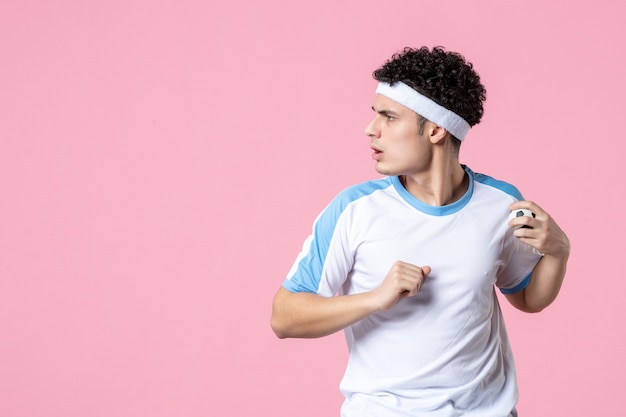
[403, 280]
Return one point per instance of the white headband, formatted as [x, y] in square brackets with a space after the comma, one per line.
[425, 107]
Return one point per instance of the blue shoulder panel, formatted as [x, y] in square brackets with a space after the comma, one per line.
[500, 185]
[306, 277]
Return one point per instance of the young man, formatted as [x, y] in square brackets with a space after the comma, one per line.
[406, 265]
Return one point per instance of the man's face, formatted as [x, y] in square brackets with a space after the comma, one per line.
[399, 148]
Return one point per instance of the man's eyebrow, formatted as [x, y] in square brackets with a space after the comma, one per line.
[385, 112]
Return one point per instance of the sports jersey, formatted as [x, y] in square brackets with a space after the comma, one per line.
[445, 351]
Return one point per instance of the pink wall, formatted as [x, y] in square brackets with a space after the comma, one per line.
[162, 161]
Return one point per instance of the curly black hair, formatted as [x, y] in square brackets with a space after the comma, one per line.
[444, 77]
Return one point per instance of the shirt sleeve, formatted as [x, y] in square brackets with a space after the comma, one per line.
[326, 259]
[518, 261]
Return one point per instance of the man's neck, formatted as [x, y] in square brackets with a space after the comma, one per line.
[443, 184]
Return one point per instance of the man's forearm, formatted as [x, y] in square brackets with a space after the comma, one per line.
[308, 315]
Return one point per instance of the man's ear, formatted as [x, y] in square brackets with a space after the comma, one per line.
[437, 134]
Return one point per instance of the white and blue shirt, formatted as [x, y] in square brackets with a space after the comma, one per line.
[445, 351]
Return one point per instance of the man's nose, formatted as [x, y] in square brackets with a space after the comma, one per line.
[372, 129]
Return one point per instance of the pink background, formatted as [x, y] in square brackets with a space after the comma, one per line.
[161, 163]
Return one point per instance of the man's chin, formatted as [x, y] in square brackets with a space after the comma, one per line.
[382, 170]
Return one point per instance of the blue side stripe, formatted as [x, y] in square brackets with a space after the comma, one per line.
[307, 276]
[519, 287]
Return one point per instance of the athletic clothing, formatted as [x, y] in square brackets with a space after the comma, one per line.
[444, 352]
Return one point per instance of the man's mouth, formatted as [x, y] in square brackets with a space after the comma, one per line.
[377, 152]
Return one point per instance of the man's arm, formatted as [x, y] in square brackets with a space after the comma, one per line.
[309, 315]
[547, 237]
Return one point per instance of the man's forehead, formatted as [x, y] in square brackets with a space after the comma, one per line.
[382, 103]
